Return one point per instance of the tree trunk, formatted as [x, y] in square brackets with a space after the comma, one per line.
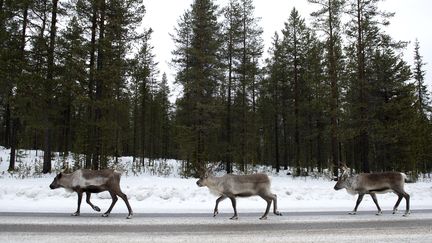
[334, 96]
[15, 120]
[228, 119]
[143, 150]
[98, 156]
[285, 141]
[296, 106]
[47, 151]
[48, 89]
[90, 108]
[13, 144]
[364, 136]
[276, 134]
[7, 117]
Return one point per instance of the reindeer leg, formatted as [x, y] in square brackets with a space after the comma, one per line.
[401, 193]
[114, 200]
[77, 213]
[275, 211]
[233, 201]
[124, 197]
[374, 198]
[407, 199]
[216, 211]
[95, 208]
[359, 199]
[269, 201]
[395, 208]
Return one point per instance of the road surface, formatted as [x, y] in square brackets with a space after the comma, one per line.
[292, 227]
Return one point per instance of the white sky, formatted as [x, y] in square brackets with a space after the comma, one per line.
[409, 23]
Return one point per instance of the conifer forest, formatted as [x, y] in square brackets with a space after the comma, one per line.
[80, 77]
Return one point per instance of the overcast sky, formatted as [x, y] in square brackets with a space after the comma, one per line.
[410, 22]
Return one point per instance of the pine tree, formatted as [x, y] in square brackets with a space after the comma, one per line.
[49, 87]
[200, 86]
[73, 80]
[112, 27]
[271, 104]
[423, 103]
[165, 126]
[19, 59]
[295, 47]
[316, 104]
[423, 125]
[328, 21]
[243, 49]
[144, 75]
[391, 112]
[182, 40]
[363, 31]
[231, 30]
[251, 51]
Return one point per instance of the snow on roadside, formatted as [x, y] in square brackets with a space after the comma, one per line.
[172, 194]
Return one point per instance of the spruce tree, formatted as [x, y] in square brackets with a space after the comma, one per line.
[198, 106]
[271, 104]
[73, 98]
[423, 103]
[295, 47]
[144, 78]
[423, 124]
[390, 112]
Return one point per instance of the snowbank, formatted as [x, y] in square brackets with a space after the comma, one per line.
[154, 194]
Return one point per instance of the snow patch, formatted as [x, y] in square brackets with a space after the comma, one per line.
[149, 193]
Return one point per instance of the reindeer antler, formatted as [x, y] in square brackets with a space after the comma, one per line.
[343, 167]
[201, 170]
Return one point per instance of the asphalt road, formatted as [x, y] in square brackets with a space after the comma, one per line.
[292, 227]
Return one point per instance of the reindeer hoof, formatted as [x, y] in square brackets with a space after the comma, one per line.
[278, 213]
[130, 216]
[263, 218]
[235, 217]
[105, 215]
[379, 213]
[75, 214]
[352, 213]
[215, 213]
[96, 208]
[406, 214]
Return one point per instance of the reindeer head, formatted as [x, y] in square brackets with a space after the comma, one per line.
[205, 172]
[56, 182]
[342, 180]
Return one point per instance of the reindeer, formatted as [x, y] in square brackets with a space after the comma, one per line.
[372, 183]
[92, 181]
[232, 186]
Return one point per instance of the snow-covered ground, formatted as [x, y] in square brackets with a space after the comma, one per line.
[150, 193]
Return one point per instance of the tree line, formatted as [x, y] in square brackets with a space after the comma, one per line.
[80, 76]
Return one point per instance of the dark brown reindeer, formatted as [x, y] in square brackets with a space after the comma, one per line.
[373, 183]
[232, 186]
[92, 181]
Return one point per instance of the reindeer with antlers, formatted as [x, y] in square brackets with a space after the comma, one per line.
[232, 186]
[372, 183]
